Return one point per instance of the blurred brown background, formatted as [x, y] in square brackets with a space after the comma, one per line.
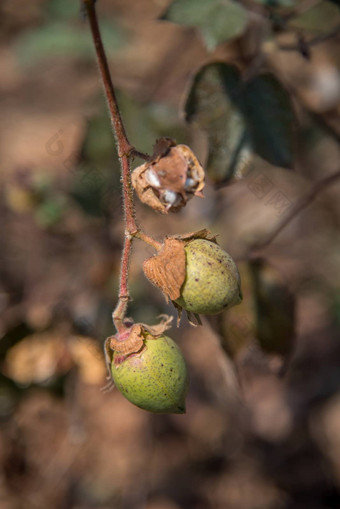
[252, 437]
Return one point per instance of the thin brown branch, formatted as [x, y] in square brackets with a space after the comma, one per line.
[312, 42]
[124, 147]
[124, 297]
[300, 205]
[148, 240]
[141, 155]
[125, 151]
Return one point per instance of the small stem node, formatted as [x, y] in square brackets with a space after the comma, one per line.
[148, 240]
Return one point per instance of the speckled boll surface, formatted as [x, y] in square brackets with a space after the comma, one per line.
[154, 379]
[212, 282]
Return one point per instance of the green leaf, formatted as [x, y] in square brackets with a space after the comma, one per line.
[270, 119]
[62, 39]
[51, 211]
[214, 104]
[62, 9]
[218, 20]
[321, 18]
[188, 12]
[239, 119]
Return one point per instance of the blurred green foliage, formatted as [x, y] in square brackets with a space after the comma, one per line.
[240, 118]
[214, 105]
[320, 18]
[61, 9]
[270, 119]
[218, 20]
[60, 39]
[63, 33]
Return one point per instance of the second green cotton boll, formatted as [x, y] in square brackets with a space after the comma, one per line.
[212, 282]
[154, 379]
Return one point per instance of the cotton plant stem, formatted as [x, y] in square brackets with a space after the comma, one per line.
[123, 145]
[125, 151]
[148, 240]
[123, 297]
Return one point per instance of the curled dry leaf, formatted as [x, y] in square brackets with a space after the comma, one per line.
[193, 318]
[171, 178]
[45, 356]
[167, 269]
[199, 234]
[158, 329]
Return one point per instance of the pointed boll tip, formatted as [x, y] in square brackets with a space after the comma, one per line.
[181, 409]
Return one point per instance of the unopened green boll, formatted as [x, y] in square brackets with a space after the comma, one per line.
[212, 281]
[155, 378]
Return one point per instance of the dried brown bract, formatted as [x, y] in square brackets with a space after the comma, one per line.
[132, 340]
[199, 234]
[167, 268]
[170, 179]
[132, 344]
[158, 329]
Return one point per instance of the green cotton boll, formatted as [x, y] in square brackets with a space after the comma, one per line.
[154, 379]
[212, 282]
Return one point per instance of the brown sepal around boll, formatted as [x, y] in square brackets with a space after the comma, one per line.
[167, 268]
[199, 234]
[171, 177]
[132, 339]
[159, 328]
[133, 343]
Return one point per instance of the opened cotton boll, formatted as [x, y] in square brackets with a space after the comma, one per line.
[171, 177]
